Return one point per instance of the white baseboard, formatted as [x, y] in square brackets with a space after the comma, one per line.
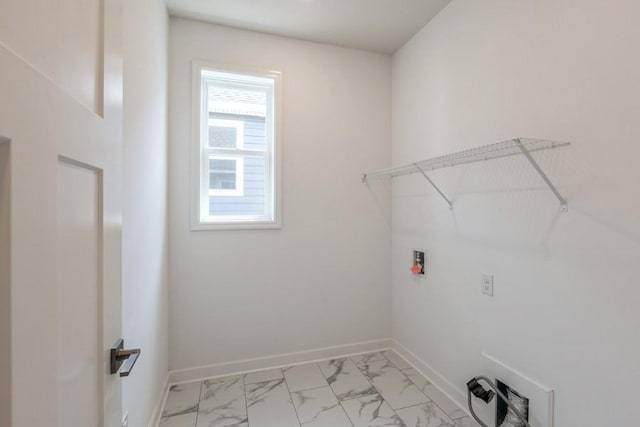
[275, 361]
[157, 410]
[456, 395]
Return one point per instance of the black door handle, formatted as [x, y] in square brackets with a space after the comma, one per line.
[120, 357]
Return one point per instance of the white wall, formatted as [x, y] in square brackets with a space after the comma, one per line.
[323, 279]
[144, 251]
[565, 310]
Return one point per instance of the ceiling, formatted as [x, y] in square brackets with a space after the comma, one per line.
[377, 25]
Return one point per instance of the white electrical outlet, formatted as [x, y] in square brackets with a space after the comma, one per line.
[125, 419]
[487, 284]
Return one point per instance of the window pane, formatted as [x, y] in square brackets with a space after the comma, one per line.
[238, 150]
[254, 201]
[223, 137]
[243, 105]
[251, 129]
[241, 101]
[222, 174]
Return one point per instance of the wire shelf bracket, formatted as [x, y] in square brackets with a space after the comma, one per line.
[513, 147]
[563, 202]
[434, 186]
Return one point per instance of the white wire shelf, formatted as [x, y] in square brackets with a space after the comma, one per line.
[512, 147]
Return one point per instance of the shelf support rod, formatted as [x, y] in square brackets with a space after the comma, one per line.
[525, 152]
[434, 186]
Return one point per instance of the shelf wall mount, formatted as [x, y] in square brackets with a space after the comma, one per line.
[446, 199]
[513, 147]
[564, 207]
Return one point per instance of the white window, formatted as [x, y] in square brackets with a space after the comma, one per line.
[235, 149]
[226, 177]
[223, 153]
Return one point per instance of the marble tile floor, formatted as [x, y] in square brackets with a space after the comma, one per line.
[376, 389]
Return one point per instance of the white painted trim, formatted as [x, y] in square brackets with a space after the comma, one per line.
[276, 361]
[454, 394]
[506, 367]
[239, 175]
[254, 225]
[49, 79]
[196, 223]
[162, 397]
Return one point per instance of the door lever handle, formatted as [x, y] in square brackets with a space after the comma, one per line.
[123, 358]
[130, 357]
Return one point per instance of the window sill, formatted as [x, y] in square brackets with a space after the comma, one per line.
[239, 225]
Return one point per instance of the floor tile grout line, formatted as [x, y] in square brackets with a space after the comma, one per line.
[336, 396]
[199, 400]
[459, 418]
[203, 388]
[246, 401]
[244, 376]
[408, 379]
[361, 396]
[368, 395]
[378, 392]
[309, 389]
[419, 404]
[438, 406]
[325, 377]
[422, 391]
[344, 411]
[197, 406]
[295, 410]
[365, 377]
[333, 393]
[425, 393]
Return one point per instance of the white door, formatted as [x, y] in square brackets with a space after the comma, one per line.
[61, 129]
[79, 298]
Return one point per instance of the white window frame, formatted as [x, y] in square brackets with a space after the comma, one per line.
[200, 152]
